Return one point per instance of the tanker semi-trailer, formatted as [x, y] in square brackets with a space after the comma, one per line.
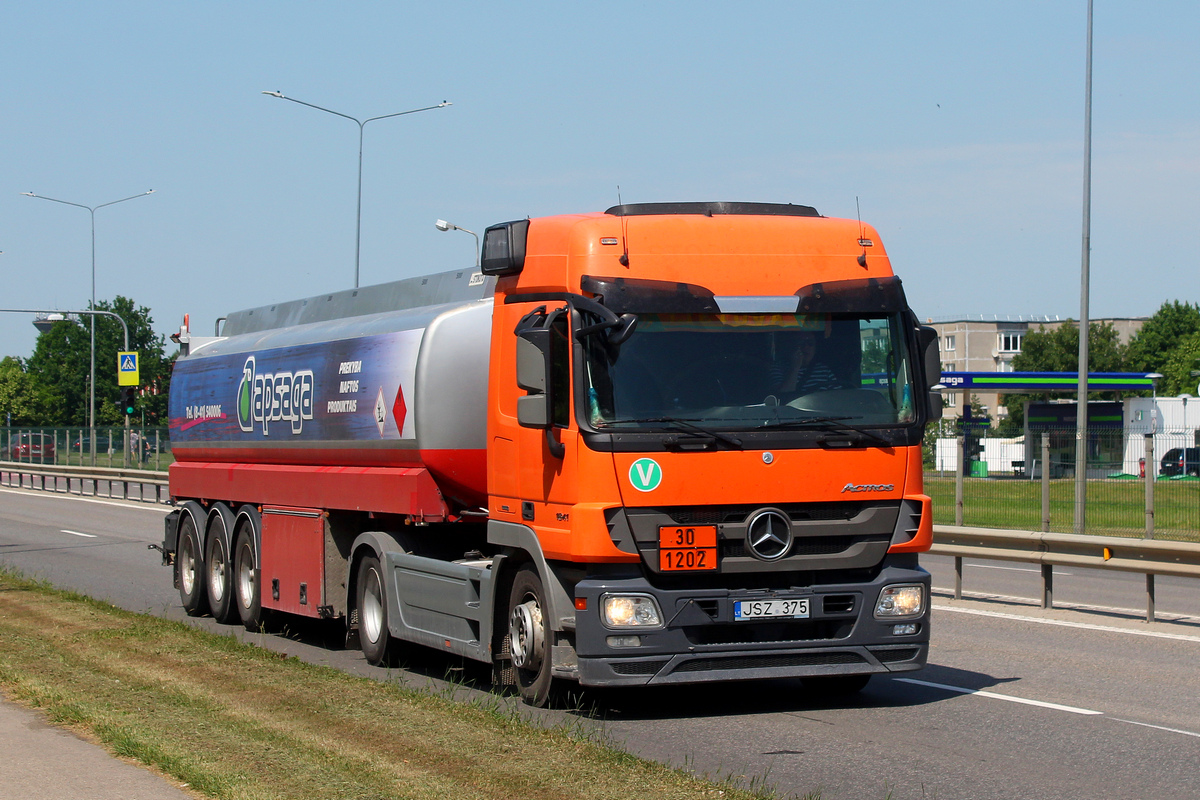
[666, 443]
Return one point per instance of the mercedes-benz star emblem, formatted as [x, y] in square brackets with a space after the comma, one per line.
[769, 535]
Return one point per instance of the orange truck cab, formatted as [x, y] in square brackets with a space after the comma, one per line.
[703, 517]
[667, 443]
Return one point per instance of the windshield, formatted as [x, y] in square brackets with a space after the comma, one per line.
[745, 371]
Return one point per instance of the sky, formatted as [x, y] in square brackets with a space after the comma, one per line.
[957, 128]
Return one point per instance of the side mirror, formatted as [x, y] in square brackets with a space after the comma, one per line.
[936, 405]
[533, 375]
[504, 248]
[931, 354]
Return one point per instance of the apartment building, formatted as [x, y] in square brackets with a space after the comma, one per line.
[971, 344]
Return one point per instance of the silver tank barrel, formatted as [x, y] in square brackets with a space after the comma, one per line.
[389, 375]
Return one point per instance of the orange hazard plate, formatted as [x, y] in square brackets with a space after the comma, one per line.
[687, 547]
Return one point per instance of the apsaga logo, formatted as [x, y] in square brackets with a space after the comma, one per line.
[278, 397]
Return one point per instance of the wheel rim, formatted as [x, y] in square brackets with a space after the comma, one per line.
[525, 632]
[218, 566]
[371, 613]
[245, 576]
[187, 566]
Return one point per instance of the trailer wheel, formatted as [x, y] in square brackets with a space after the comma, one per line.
[528, 637]
[247, 587]
[189, 569]
[373, 635]
[836, 685]
[219, 571]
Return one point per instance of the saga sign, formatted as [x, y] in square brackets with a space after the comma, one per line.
[285, 397]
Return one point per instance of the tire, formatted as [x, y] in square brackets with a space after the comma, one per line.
[836, 685]
[373, 635]
[247, 584]
[218, 562]
[529, 638]
[189, 569]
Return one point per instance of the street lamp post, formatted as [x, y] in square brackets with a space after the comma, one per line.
[1154, 378]
[442, 225]
[92, 393]
[361, 124]
[1081, 409]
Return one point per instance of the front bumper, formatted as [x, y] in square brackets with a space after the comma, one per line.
[700, 641]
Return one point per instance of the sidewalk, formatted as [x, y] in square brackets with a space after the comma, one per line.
[48, 763]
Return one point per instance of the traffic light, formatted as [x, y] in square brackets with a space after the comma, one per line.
[128, 396]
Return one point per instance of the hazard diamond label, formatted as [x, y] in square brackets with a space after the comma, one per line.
[399, 410]
[380, 411]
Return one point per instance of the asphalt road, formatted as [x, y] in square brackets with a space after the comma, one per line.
[1079, 702]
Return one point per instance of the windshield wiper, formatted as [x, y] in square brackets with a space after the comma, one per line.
[828, 423]
[687, 425]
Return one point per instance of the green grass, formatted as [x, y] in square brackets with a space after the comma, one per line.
[235, 721]
[1114, 507]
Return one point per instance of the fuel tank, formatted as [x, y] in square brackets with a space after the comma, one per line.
[393, 375]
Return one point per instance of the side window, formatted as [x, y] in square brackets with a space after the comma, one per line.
[560, 376]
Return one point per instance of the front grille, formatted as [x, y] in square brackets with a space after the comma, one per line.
[704, 515]
[637, 667]
[837, 603]
[770, 662]
[750, 632]
[797, 512]
[899, 654]
[811, 546]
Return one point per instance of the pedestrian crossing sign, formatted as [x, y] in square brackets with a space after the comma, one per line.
[127, 369]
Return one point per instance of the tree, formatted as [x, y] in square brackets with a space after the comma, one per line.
[1057, 350]
[1153, 347]
[153, 365]
[16, 393]
[1179, 371]
[60, 367]
[58, 372]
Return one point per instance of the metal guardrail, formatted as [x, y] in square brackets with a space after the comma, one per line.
[1149, 557]
[49, 477]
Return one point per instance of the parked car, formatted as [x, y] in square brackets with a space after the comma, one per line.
[83, 444]
[1181, 461]
[33, 447]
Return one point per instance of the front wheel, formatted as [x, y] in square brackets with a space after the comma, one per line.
[189, 569]
[373, 634]
[529, 638]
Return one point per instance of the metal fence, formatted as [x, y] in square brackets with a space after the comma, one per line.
[1138, 484]
[148, 448]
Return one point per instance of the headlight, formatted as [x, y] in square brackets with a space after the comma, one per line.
[901, 600]
[630, 611]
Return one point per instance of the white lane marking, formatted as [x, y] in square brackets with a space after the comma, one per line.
[1157, 727]
[161, 508]
[1011, 569]
[77, 533]
[1040, 704]
[1066, 624]
[1008, 697]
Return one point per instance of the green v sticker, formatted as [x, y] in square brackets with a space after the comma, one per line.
[645, 474]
